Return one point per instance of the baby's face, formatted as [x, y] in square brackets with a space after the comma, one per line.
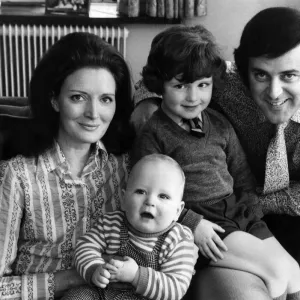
[152, 200]
[186, 100]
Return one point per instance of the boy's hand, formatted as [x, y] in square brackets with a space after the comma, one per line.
[122, 270]
[101, 276]
[207, 240]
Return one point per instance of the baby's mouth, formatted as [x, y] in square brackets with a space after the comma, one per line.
[147, 215]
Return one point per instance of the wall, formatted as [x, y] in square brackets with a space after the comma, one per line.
[225, 19]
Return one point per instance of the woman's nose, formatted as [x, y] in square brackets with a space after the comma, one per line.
[91, 110]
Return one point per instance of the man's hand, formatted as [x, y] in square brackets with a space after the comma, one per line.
[101, 276]
[143, 111]
[122, 270]
[207, 240]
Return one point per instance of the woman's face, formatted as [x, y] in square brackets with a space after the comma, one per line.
[86, 105]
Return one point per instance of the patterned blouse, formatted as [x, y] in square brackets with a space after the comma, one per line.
[44, 211]
[255, 133]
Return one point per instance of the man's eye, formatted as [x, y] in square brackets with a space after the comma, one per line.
[140, 192]
[260, 76]
[77, 98]
[290, 77]
[164, 196]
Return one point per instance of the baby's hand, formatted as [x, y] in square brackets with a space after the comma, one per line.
[101, 276]
[208, 241]
[122, 270]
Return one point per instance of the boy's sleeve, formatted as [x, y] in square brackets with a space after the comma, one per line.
[190, 219]
[177, 268]
[244, 181]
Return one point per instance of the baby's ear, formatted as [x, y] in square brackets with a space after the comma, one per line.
[179, 210]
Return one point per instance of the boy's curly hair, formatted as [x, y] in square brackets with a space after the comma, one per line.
[189, 51]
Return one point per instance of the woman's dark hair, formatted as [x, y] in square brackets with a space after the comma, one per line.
[72, 52]
[187, 50]
[270, 33]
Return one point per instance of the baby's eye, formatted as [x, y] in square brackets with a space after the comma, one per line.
[164, 196]
[140, 192]
[77, 98]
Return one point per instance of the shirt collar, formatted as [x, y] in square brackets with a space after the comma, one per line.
[182, 122]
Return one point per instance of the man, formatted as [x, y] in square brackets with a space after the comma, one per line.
[261, 98]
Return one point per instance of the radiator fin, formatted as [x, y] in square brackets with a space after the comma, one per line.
[22, 46]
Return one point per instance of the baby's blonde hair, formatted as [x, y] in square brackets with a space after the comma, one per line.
[164, 158]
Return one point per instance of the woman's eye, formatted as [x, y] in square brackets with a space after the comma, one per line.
[164, 196]
[107, 99]
[77, 98]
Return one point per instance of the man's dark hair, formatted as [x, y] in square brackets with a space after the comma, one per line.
[270, 33]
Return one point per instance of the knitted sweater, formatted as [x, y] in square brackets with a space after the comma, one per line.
[215, 165]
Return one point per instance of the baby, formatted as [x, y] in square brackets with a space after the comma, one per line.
[158, 254]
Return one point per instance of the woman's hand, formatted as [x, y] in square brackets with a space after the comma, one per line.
[65, 280]
[207, 240]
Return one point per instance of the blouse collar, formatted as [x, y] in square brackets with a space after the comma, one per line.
[54, 160]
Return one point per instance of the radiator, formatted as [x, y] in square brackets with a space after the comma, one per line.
[21, 47]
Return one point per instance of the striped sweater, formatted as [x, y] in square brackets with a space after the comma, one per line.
[176, 258]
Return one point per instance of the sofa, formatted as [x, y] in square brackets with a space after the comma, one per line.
[15, 119]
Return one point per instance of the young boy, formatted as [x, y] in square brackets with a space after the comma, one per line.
[183, 65]
[158, 253]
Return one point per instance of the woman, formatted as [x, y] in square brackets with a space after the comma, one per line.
[72, 171]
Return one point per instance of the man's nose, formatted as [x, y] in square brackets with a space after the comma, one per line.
[275, 88]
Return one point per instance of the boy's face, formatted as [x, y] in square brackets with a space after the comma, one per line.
[186, 100]
[152, 200]
[275, 85]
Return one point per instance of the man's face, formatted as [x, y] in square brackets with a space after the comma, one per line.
[275, 85]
